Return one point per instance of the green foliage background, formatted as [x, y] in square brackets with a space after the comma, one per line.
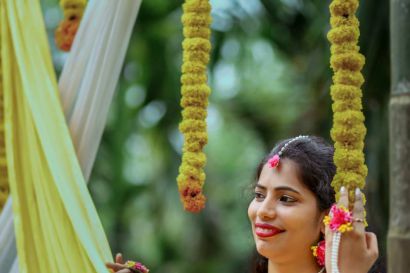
[270, 78]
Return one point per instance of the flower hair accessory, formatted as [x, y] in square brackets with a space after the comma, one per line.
[136, 267]
[274, 160]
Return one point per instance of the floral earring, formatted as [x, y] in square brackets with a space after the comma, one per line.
[319, 252]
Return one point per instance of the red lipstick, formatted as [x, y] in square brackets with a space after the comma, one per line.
[266, 230]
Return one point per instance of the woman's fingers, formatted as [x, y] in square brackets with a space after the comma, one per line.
[115, 266]
[124, 271]
[372, 245]
[358, 212]
[118, 258]
[343, 198]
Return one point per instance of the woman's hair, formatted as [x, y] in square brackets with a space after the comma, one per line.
[315, 168]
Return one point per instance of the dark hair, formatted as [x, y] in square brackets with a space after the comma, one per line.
[314, 160]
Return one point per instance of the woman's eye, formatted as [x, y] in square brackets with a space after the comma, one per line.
[259, 196]
[287, 199]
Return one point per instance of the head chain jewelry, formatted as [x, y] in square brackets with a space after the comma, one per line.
[274, 160]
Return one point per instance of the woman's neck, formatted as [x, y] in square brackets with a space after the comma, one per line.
[300, 265]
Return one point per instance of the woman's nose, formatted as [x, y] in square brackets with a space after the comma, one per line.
[267, 210]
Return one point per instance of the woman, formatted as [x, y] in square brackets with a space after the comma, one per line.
[292, 196]
[291, 200]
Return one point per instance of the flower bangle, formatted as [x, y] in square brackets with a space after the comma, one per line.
[136, 267]
[339, 219]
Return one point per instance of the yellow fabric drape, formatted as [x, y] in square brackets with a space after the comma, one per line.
[4, 184]
[56, 224]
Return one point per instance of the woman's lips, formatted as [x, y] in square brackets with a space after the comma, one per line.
[266, 230]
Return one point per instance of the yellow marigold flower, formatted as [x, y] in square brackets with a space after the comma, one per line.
[338, 21]
[197, 32]
[345, 227]
[354, 78]
[343, 35]
[352, 61]
[196, 47]
[344, 8]
[65, 33]
[346, 104]
[347, 159]
[314, 250]
[340, 92]
[193, 79]
[348, 136]
[343, 48]
[326, 220]
[194, 113]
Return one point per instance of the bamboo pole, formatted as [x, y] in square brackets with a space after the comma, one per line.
[398, 239]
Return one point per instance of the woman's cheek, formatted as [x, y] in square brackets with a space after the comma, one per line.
[252, 211]
[290, 216]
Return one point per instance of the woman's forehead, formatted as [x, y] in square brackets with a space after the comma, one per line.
[285, 174]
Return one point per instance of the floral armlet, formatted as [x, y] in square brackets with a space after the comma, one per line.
[136, 267]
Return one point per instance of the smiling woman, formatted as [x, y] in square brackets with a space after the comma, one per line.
[293, 194]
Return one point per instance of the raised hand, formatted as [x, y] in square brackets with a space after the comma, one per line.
[358, 249]
[118, 266]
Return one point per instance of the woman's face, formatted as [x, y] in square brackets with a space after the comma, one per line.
[284, 214]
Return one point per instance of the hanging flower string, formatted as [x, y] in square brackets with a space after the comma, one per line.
[196, 20]
[348, 130]
[65, 32]
[4, 185]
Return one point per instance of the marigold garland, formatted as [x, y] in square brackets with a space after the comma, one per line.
[65, 32]
[348, 130]
[4, 185]
[196, 20]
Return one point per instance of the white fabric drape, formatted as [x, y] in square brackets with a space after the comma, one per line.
[86, 85]
[7, 239]
[100, 48]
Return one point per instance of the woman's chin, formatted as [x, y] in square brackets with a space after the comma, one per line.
[268, 249]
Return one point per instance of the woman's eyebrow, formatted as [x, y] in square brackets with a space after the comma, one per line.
[286, 188]
[260, 186]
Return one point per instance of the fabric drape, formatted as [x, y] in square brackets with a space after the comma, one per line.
[125, 9]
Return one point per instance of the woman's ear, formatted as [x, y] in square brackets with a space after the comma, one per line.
[322, 225]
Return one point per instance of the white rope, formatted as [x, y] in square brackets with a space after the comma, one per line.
[335, 252]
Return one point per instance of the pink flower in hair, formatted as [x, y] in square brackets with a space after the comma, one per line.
[274, 161]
